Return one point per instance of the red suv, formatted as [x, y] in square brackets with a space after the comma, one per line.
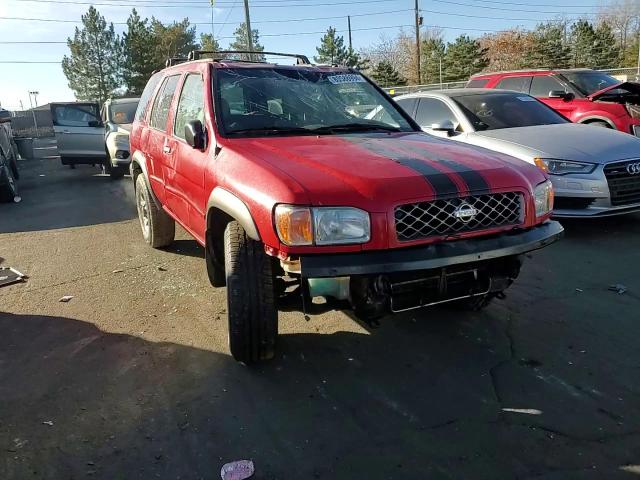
[309, 181]
[581, 95]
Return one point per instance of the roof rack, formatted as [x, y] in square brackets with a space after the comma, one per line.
[196, 54]
[170, 62]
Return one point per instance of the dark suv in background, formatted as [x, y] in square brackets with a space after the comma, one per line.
[581, 95]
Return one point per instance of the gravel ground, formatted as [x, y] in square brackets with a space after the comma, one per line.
[132, 379]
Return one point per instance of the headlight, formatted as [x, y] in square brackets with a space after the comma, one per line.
[321, 226]
[122, 138]
[543, 196]
[562, 167]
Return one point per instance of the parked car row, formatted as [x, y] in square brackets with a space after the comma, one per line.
[86, 134]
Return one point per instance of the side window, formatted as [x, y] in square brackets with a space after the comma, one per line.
[541, 86]
[519, 84]
[408, 104]
[162, 103]
[145, 98]
[432, 110]
[190, 105]
[75, 115]
[480, 83]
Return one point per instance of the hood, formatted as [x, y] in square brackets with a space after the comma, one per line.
[375, 171]
[568, 141]
[630, 86]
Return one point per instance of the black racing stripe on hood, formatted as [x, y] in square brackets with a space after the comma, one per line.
[474, 180]
[441, 182]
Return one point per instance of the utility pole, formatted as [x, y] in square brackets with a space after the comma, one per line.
[35, 97]
[440, 58]
[248, 24]
[418, 21]
[213, 36]
[21, 106]
[30, 102]
[349, 24]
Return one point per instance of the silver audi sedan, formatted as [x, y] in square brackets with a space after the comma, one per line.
[595, 170]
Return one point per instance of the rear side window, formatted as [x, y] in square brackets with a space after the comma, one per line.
[541, 86]
[519, 84]
[145, 98]
[432, 111]
[190, 105]
[162, 103]
[480, 83]
[78, 115]
[408, 104]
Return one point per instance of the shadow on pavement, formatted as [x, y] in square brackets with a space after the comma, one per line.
[55, 196]
[414, 400]
[189, 248]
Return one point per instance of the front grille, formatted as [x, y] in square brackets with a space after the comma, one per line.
[624, 187]
[572, 203]
[416, 221]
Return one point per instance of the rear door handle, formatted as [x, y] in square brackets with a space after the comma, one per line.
[166, 149]
[66, 131]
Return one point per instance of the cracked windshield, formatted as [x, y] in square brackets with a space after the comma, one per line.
[319, 239]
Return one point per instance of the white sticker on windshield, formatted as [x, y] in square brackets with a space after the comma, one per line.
[346, 78]
[526, 99]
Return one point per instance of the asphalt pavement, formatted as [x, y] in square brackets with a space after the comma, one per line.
[132, 379]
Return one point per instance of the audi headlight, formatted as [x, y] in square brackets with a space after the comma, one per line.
[562, 167]
[543, 196]
[298, 226]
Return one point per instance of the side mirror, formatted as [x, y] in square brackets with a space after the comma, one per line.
[561, 94]
[445, 126]
[194, 134]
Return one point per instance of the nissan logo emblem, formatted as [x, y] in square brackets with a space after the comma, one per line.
[465, 212]
[633, 168]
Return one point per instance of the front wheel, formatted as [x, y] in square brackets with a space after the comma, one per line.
[599, 123]
[251, 306]
[158, 228]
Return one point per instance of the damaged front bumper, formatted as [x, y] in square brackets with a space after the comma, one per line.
[397, 280]
[439, 255]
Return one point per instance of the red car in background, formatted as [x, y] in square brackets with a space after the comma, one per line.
[581, 95]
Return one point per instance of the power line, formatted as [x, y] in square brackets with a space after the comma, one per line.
[509, 9]
[138, 5]
[527, 4]
[53, 20]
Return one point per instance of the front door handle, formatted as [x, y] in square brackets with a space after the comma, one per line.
[166, 149]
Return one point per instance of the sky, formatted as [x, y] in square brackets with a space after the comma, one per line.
[284, 25]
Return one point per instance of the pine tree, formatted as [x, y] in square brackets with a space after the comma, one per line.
[138, 63]
[333, 51]
[331, 48]
[174, 40]
[386, 76]
[463, 58]
[94, 67]
[432, 51]
[582, 41]
[240, 43]
[549, 49]
[606, 51]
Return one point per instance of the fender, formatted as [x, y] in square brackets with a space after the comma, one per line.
[138, 159]
[598, 118]
[235, 208]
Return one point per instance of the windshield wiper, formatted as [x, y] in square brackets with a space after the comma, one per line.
[355, 127]
[273, 130]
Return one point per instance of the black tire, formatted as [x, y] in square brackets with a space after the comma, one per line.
[600, 123]
[10, 190]
[158, 228]
[251, 306]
